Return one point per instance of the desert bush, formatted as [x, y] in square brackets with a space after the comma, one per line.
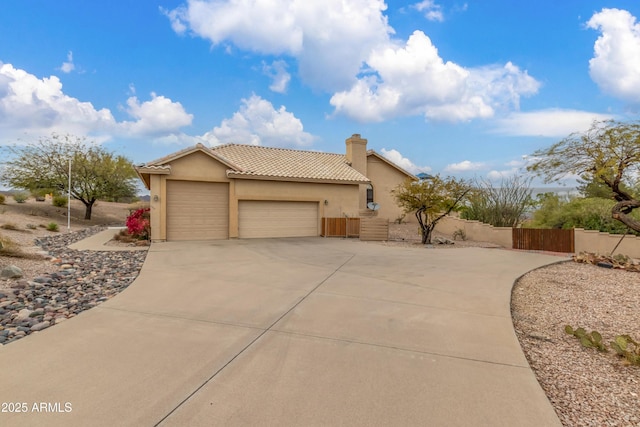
[3, 199]
[60, 201]
[578, 212]
[31, 226]
[9, 226]
[461, 233]
[52, 226]
[124, 236]
[9, 248]
[139, 224]
[503, 205]
[20, 197]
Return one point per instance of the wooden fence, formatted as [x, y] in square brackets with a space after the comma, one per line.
[365, 228]
[539, 239]
[374, 229]
[340, 227]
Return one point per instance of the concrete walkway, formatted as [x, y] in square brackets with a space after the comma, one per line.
[289, 332]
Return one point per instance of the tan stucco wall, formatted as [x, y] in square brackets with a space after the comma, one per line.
[475, 230]
[603, 243]
[198, 167]
[385, 178]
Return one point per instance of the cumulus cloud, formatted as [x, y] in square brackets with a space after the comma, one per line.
[68, 66]
[406, 164]
[330, 39]
[33, 107]
[555, 123]
[464, 166]
[413, 79]
[615, 66]
[257, 122]
[347, 47]
[277, 71]
[157, 116]
[431, 10]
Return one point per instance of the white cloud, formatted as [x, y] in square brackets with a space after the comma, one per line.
[615, 66]
[413, 79]
[158, 116]
[277, 71]
[432, 11]
[330, 38]
[29, 105]
[33, 107]
[258, 123]
[464, 166]
[406, 164]
[68, 66]
[548, 123]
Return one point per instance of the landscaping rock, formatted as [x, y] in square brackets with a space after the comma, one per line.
[11, 272]
[40, 326]
[79, 281]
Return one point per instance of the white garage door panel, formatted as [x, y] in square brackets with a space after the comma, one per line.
[197, 210]
[277, 219]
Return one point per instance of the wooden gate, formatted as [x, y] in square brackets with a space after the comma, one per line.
[340, 227]
[541, 239]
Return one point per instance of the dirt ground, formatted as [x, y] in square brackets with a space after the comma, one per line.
[22, 223]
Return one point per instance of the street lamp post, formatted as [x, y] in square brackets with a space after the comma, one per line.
[69, 200]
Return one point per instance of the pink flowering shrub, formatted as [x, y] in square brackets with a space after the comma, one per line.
[138, 224]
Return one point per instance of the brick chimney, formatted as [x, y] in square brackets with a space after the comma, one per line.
[357, 153]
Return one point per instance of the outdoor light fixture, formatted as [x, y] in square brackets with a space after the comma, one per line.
[326, 202]
[156, 198]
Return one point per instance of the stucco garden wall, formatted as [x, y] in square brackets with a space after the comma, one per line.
[585, 240]
[603, 243]
[475, 230]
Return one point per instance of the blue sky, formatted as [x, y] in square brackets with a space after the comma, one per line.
[465, 88]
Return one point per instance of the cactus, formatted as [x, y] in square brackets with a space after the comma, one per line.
[627, 348]
[588, 340]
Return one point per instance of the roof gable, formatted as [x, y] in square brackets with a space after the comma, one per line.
[390, 163]
[186, 152]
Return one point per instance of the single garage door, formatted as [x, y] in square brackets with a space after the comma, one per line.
[277, 219]
[197, 210]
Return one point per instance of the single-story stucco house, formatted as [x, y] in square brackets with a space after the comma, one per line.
[235, 190]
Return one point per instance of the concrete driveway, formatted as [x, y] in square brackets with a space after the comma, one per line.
[289, 332]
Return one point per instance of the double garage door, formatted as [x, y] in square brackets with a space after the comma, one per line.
[277, 219]
[200, 211]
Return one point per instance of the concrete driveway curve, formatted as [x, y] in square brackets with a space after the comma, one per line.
[288, 332]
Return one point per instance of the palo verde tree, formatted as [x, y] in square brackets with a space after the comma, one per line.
[95, 172]
[608, 153]
[431, 200]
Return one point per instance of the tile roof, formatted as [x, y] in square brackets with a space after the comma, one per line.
[268, 162]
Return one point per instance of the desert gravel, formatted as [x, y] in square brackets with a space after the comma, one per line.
[586, 388]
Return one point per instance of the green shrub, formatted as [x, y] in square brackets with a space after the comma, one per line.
[52, 226]
[578, 212]
[60, 201]
[20, 197]
[2, 199]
